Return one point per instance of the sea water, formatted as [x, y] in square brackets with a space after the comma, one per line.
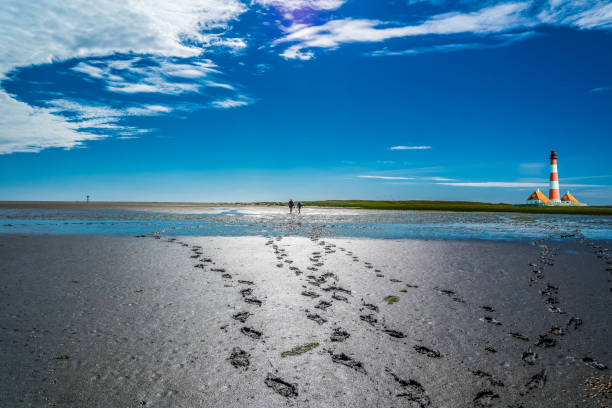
[319, 222]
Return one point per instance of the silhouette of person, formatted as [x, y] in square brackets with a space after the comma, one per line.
[299, 207]
[290, 206]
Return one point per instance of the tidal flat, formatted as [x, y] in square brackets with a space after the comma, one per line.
[179, 320]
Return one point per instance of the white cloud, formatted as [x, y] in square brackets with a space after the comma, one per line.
[24, 128]
[301, 4]
[294, 52]
[583, 14]
[131, 76]
[497, 41]
[100, 118]
[440, 179]
[588, 177]
[601, 89]
[46, 31]
[230, 103]
[509, 18]
[600, 16]
[531, 169]
[494, 19]
[511, 184]
[410, 147]
[43, 31]
[386, 177]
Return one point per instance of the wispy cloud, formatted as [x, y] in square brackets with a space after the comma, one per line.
[511, 184]
[531, 169]
[386, 177]
[301, 4]
[583, 14]
[496, 41]
[501, 24]
[588, 177]
[151, 75]
[601, 89]
[494, 19]
[410, 147]
[101, 119]
[231, 103]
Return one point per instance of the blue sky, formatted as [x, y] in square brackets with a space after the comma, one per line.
[229, 100]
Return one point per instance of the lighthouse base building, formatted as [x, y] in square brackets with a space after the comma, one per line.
[538, 198]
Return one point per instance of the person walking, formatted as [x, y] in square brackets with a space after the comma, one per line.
[299, 207]
[290, 206]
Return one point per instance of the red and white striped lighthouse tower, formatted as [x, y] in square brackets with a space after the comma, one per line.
[553, 193]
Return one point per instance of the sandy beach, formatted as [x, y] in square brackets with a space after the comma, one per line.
[101, 321]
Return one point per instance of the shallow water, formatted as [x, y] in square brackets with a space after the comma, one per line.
[323, 222]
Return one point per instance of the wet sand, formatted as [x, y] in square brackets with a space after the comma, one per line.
[109, 321]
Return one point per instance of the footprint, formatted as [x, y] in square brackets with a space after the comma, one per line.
[337, 289]
[369, 319]
[492, 380]
[538, 380]
[247, 331]
[451, 294]
[519, 336]
[282, 387]
[491, 320]
[240, 358]
[574, 322]
[349, 362]
[323, 305]
[545, 341]
[427, 351]
[246, 282]
[557, 331]
[394, 333]
[529, 357]
[339, 335]
[310, 293]
[252, 300]
[246, 292]
[339, 297]
[370, 306]
[487, 308]
[485, 399]
[241, 316]
[412, 390]
[313, 280]
[592, 363]
[315, 317]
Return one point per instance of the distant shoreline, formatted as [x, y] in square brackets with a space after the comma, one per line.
[456, 206]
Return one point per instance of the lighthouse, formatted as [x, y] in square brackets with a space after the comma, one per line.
[539, 199]
[553, 193]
